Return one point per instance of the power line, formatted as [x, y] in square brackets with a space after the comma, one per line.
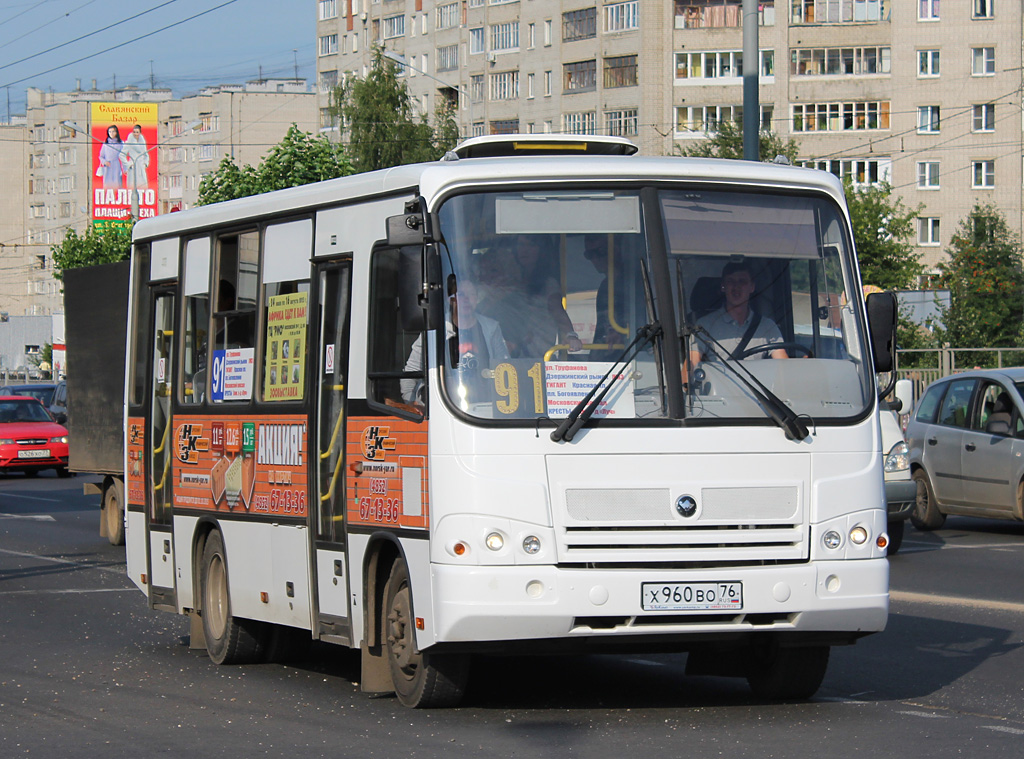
[61, 17]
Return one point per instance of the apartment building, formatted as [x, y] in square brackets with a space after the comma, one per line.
[192, 135]
[922, 95]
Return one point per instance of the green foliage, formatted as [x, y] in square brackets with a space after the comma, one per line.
[378, 114]
[727, 142]
[44, 361]
[882, 228]
[298, 159]
[99, 245]
[985, 278]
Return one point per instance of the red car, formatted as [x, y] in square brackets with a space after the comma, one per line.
[30, 440]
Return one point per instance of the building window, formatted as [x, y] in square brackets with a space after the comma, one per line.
[983, 61]
[983, 175]
[839, 61]
[328, 9]
[448, 58]
[579, 25]
[620, 71]
[579, 77]
[505, 126]
[529, 86]
[329, 44]
[476, 88]
[206, 152]
[927, 63]
[836, 11]
[622, 17]
[622, 123]
[704, 119]
[448, 16]
[928, 10]
[841, 117]
[547, 32]
[394, 26]
[720, 64]
[476, 41]
[984, 118]
[928, 231]
[531, 36]
[579, 123]
[982, 9]
[710, 14]
[328, 120]
[505, 37]
[927, 119]
[547, 84]
[328, 81]
[505, 86]
[860, 171]
[927, 175]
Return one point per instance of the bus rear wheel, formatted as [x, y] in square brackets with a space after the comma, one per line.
[421, 679]
[785, 674]
[228, 640]
[113, 515]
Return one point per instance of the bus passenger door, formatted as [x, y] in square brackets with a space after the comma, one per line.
[329, 501]
[160, 444]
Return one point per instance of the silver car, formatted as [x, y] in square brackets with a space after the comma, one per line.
[966, 440]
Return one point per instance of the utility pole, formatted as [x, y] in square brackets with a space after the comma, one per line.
[751, 70]
[295, 57]
[152, 78]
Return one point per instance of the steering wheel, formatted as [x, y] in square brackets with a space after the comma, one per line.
[798, 347]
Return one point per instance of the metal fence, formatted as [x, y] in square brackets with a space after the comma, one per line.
[933, 363]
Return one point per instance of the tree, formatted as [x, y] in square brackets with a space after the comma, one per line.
[985, 277]
[727, 142]
[298, 159]
[882, 228]
[44, 361]
[99, 245]
[378, 114]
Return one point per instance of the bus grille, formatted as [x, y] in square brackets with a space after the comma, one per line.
[640, 526]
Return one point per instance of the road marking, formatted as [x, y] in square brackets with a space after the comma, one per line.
[55, 560]
[30, 517]
[1003, 729]
[69, 590]
[927, 715]
[33, 497]
[980, 603]
[958, 546]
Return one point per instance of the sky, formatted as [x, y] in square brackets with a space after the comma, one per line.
[181, 44]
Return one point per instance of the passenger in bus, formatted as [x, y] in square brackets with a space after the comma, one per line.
[736, 325]
[473, 345]
[531, 311]
[595, 250]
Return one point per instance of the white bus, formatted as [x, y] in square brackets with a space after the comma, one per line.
[446, 409]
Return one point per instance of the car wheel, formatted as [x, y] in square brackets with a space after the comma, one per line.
[926, 515]
[421, 679]
[895, 530]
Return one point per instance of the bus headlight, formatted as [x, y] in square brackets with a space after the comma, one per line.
[898, 458]
[832, 539]
[494, 541]
[858, 535]
[531, 544]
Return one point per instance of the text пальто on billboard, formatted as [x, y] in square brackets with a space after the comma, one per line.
[124, 160]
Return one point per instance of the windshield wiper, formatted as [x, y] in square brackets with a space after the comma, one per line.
[779, 412]
[589, 404]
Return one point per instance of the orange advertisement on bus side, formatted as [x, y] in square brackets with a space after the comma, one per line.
[135, 477]
[257, 465]
[387, 482]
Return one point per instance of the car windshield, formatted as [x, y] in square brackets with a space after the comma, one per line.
[22, 411]
[545, 288]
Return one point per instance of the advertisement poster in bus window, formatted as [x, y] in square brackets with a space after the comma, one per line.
[136, 448]
[124, 161]
[231, 378]
[252, 465]
[284, 360]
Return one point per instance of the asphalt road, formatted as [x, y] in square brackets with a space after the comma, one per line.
[87, 670]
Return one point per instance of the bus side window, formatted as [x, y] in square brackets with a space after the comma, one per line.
[196, 314]
[396, 359]
[235, 286]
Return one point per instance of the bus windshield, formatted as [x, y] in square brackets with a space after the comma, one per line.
[545, 289]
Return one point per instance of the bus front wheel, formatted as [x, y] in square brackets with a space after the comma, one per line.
[228, 640]
[421, 679]
[785, 674]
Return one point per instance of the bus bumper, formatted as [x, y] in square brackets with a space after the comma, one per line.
[479, 604]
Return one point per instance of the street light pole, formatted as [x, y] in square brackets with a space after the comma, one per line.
[400, 60]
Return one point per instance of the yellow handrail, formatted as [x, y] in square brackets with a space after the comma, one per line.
[586, 346]
[337, 426]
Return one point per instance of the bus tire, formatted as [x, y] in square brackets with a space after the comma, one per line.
[421, 679]
[786, 674]
[228, 640]
[113, 515]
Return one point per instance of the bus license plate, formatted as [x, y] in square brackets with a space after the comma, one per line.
[36, 454]
[692, 596]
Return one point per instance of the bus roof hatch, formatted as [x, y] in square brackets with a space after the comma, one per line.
[504, 145]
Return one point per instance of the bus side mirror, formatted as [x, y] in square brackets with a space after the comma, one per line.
[420, 301]
[405, 229]
[882, 327]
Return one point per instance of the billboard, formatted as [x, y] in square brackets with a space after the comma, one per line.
[124, 160]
